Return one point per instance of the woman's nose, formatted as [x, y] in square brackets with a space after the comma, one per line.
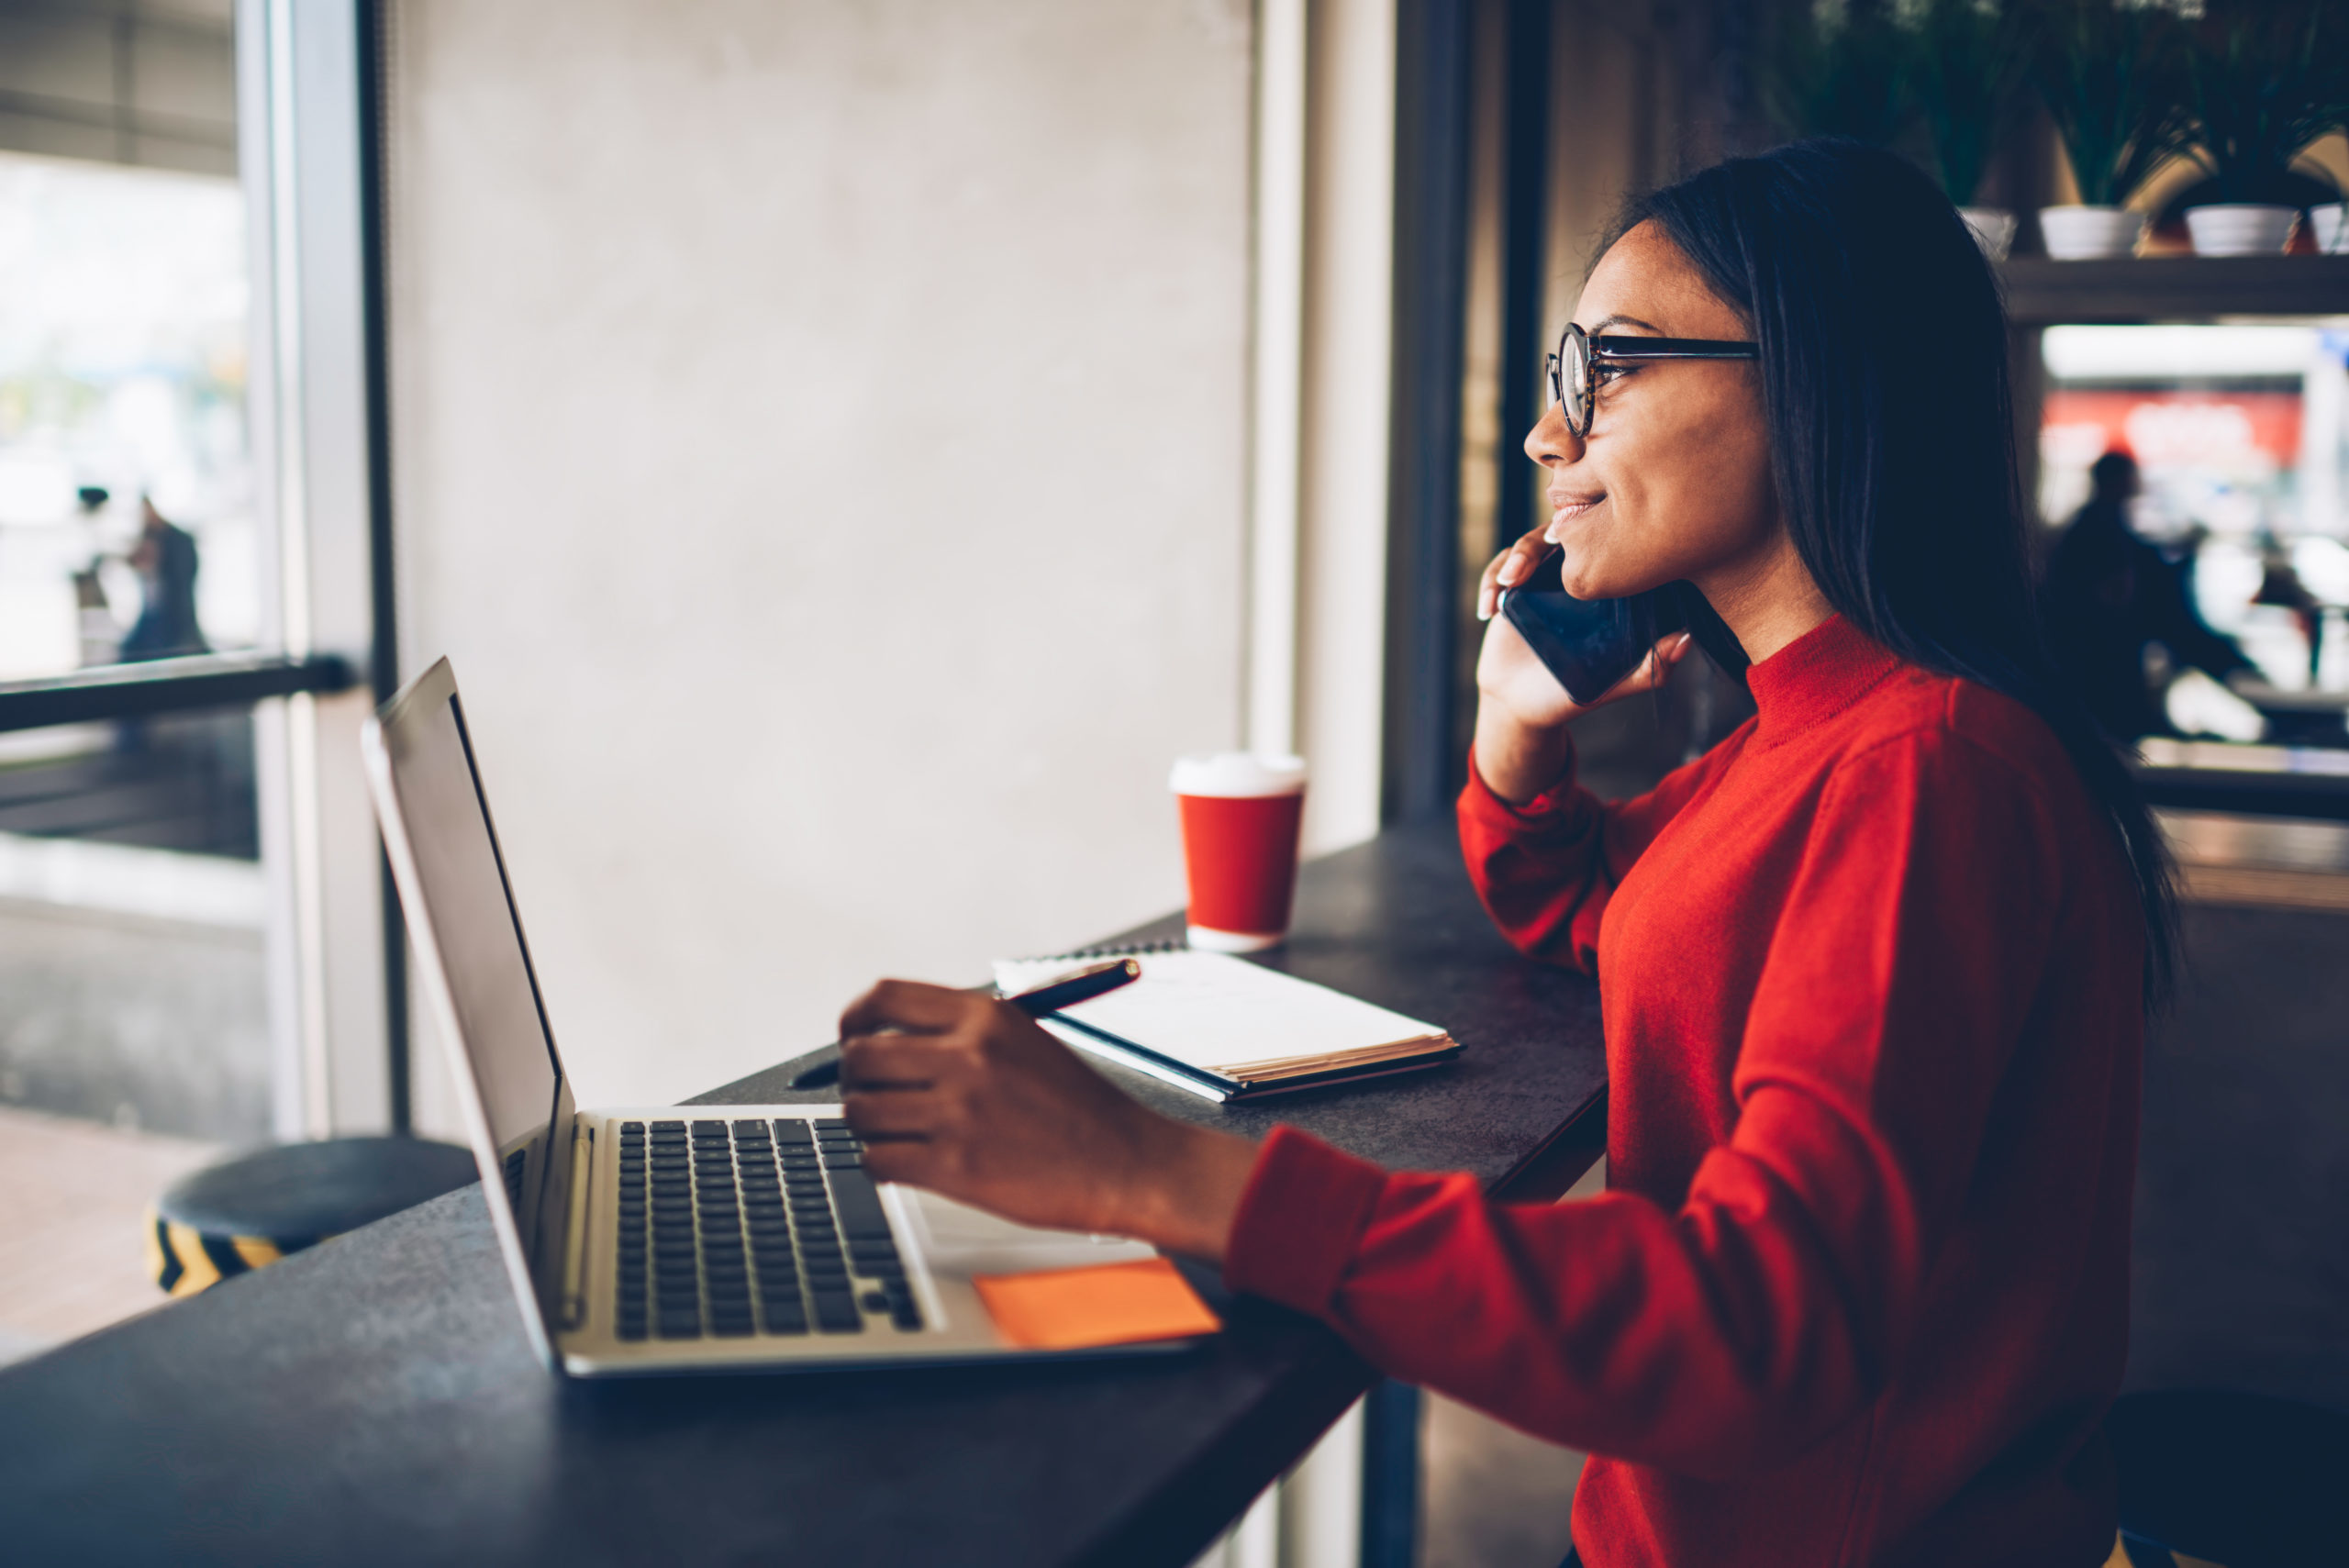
[1550, 443]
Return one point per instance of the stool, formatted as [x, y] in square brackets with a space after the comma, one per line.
[247, 1212]
[2238, 1479]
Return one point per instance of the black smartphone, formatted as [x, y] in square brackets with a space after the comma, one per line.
[1589, 644]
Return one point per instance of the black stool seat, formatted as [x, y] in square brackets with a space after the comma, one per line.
[2239, 1479]
[253, 1210]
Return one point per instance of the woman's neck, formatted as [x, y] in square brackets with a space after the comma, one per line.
[1768, 600]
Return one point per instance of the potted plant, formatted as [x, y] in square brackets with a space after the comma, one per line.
[2110, 73]
[2264, 78]
[1836, 68]
[1965, 66]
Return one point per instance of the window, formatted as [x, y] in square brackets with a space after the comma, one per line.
[2238, 430]
[193, 947]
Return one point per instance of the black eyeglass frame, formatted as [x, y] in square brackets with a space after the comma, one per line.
[1574, 344]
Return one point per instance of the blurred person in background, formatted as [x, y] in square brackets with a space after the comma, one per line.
[2109, 595]
[1875, 968]
[101, 634]
[165, 559]
[2280, 586]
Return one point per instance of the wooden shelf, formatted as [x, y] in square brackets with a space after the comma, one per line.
[2041, 293]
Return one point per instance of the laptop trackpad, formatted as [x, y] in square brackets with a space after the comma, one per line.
[955, 1239]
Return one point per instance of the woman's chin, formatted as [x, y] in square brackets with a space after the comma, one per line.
[1583, 567]
[1587, 574]
[1591, 580]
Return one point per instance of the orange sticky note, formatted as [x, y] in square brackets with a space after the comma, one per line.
[1108, 1303]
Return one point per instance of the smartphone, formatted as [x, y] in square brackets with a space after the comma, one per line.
[1589, 644]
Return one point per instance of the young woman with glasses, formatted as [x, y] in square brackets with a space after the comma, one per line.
[1874, 968]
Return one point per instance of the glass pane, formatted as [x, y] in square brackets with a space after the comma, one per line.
[135, 1040]
[128, 526]
[2241, 433]
[134, 1008]
[132, 920]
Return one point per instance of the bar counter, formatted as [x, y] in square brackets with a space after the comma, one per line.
[374, 1401]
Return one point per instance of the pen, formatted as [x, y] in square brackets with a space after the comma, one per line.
[824, 1066]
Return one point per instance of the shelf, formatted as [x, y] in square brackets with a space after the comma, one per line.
[2248, 794]
[2174, 288]
[2257, 781]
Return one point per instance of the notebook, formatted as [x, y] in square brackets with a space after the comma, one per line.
[1225, 1028]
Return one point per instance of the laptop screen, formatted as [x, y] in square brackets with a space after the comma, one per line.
[472, 956]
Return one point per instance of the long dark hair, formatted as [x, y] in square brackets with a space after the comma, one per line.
[1884, 375]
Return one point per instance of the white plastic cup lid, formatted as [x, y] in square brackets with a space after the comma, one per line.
[1238, 773]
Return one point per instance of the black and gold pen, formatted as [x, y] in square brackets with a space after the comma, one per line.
[824, 1066]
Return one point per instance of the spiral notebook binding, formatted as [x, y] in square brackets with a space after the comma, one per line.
[1111, 950]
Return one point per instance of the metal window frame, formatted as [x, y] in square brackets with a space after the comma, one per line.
[310, 158]
[1432, 137]
[1443, 45]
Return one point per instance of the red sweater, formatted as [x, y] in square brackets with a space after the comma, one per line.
[1857, 1292]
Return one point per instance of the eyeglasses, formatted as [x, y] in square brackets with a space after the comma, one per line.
[1574, 383]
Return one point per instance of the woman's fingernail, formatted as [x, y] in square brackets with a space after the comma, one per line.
[1509, 573]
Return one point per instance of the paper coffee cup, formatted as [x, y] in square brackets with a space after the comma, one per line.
[1240, 813]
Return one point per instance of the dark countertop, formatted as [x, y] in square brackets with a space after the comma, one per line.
[1395, 922]
[373, 1400]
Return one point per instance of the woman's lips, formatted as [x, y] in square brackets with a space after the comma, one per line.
[1565, 508]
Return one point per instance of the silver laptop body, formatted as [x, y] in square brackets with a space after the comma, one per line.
[669, 1238]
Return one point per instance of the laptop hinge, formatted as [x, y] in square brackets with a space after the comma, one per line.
[574, 1230]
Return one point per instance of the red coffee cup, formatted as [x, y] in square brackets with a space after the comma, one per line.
[1240, 813]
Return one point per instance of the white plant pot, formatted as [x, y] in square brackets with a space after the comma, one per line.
[1994, 228]
[2241, 229]
[2090, 233]
[2331, 232]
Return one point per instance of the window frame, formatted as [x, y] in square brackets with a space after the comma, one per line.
[309, 160]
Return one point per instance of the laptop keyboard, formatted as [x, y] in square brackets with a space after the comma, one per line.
[730, 1229]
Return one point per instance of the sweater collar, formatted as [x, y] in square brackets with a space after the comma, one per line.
[1816, 676]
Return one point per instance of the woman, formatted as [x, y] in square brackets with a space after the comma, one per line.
[1873, 968]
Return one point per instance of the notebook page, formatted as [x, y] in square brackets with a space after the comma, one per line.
[1212, 1010]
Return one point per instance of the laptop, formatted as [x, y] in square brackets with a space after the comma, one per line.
[663, 1239]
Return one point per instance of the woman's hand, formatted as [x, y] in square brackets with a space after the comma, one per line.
[964, 1095]
[1521, 710]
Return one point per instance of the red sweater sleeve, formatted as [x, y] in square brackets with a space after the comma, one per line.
[1767, 1307]
[1545, 868]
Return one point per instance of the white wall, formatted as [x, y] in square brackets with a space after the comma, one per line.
[819, 443]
